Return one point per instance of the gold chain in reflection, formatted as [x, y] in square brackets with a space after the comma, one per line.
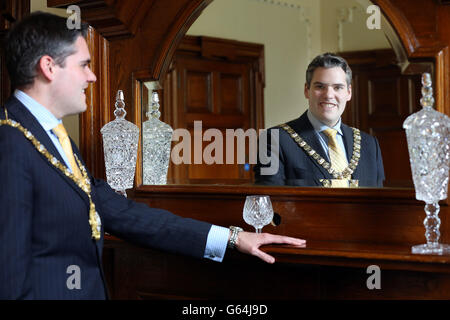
[344, 174]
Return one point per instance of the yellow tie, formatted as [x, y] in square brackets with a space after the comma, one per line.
[63, 138]
[337, 157]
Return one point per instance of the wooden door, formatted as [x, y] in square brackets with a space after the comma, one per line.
[214, 87]
[383, 97]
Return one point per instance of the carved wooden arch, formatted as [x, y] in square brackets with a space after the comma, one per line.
[140, 37]
[406, 20]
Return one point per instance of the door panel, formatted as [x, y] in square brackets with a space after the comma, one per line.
[215, 84]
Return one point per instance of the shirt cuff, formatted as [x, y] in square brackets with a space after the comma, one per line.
[216, 244]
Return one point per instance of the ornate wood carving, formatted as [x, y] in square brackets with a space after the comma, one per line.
[112, 19]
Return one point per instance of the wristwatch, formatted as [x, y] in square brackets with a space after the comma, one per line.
[234, 235]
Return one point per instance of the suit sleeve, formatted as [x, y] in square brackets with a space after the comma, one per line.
[157, 228]
[269, 169]
[16, 201]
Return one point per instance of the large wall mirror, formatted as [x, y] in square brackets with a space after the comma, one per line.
[242, 65]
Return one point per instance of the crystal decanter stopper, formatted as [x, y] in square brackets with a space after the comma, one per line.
[120, 143]
[157, 139]
[427, 133]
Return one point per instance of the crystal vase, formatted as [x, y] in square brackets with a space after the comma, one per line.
[157, 139]
[427, 133]
[120, 143]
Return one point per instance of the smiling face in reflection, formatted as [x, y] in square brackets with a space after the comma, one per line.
[328, 94]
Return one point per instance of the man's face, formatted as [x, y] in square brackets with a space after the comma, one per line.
[328, 94]
[71, 80]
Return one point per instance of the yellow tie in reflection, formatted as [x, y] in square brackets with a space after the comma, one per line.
[63, 138]
[337, 157]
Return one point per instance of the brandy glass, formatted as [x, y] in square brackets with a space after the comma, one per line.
[258, 211]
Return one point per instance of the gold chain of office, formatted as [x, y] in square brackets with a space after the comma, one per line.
[344, 174]
[83, 183]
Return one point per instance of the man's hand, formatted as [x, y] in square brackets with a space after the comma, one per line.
[249, 242]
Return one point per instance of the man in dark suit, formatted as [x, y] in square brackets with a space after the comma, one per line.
[53, 212]
[302, 152]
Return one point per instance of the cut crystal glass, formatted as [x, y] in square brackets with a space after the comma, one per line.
[157, 139]
[120, 143]
[258, 211]
[427, 133]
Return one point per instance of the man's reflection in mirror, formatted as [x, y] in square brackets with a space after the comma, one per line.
[317, 149]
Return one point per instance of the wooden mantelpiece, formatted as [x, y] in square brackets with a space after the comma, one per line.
[346, 231]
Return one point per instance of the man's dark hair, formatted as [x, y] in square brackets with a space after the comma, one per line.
[328, 60]
[35, 36]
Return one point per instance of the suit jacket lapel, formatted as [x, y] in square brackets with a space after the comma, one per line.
[304, 128]
[348, 140]
[18, 112]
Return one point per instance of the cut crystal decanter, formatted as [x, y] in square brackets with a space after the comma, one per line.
[120, 143]
[427, 133]
[157, 139]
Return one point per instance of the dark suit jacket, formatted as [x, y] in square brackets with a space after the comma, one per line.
[297, 168]
[44, 226]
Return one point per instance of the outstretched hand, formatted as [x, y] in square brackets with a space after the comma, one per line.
[249, 242]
